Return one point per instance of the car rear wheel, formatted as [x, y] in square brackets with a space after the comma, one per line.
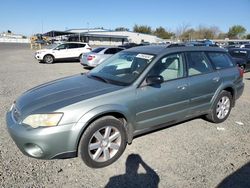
[48, 59]
[103, 142]
[221, 108]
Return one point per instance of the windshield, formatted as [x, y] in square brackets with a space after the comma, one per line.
[122, 68]
[51, 46]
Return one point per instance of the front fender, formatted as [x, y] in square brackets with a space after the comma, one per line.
[91, 115]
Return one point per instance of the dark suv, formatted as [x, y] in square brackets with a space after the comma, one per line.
[241, 56]
[95, 115]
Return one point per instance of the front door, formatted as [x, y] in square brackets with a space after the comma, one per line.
[166, 102]
[61, 51]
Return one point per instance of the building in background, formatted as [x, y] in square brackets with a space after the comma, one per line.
[10, 37]
[99, 36]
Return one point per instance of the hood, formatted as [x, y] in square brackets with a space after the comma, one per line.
[54, 95]
[43, 50]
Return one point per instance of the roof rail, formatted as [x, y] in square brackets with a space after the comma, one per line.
[176, 45]
[190, 44]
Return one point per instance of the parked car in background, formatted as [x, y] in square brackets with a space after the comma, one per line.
[201, 43]
[247, 45]
[241, 56]
[136, 91]
[65, 51]
[98, 55]
[128, 45]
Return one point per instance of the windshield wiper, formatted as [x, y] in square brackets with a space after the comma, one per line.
[99, 78]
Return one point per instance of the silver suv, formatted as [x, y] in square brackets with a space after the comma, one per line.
[95, 115]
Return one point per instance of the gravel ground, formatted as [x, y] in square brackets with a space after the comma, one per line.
[193, 154]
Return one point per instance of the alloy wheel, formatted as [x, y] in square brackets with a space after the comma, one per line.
[104, 144]
[223, 107]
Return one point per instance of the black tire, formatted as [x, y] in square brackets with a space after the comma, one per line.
[48, 59]
[214, 115]
[90, 138]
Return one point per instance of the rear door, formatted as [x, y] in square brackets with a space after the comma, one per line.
[74, 50]
[203, 81]
[225, 67]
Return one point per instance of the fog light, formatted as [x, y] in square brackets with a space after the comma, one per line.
[33, 150]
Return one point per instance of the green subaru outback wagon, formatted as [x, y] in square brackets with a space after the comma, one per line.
[95, 115]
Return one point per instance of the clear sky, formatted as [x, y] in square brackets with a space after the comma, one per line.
[33, 16]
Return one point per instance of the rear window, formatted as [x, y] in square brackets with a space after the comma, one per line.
[220, 60]
[97, 50]
[73, 45]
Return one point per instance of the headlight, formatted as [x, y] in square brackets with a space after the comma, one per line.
[43, 120]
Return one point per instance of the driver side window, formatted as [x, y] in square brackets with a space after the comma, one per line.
[169, 67]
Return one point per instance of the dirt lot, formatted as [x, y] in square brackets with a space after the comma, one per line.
[192, 154]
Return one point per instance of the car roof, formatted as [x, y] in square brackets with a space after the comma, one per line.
[75, 43]
[109, 47]
[159, 49]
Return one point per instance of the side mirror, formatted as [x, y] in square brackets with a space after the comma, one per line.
[151, 80]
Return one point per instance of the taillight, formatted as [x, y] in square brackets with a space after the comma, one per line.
[90, 57]
[241, 70]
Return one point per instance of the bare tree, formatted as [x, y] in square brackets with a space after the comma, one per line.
[182, 29]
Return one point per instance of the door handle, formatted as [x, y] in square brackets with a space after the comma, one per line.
[216, 79]
[182, 87]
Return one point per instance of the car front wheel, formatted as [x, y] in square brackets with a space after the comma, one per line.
[103, 142]
[48, 59]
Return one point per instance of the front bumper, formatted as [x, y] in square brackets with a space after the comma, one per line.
[39, 57]
[43, 143]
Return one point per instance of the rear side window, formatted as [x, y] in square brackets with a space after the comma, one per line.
[81, 45]
[220, 60]
[73, 45]
[198, 63]
[118, 49]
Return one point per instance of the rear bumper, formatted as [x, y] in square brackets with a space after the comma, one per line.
[239, 90]
[87, 63]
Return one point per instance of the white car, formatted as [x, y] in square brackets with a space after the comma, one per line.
[68, 50]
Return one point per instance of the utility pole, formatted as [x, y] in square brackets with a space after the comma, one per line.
[42, 26]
